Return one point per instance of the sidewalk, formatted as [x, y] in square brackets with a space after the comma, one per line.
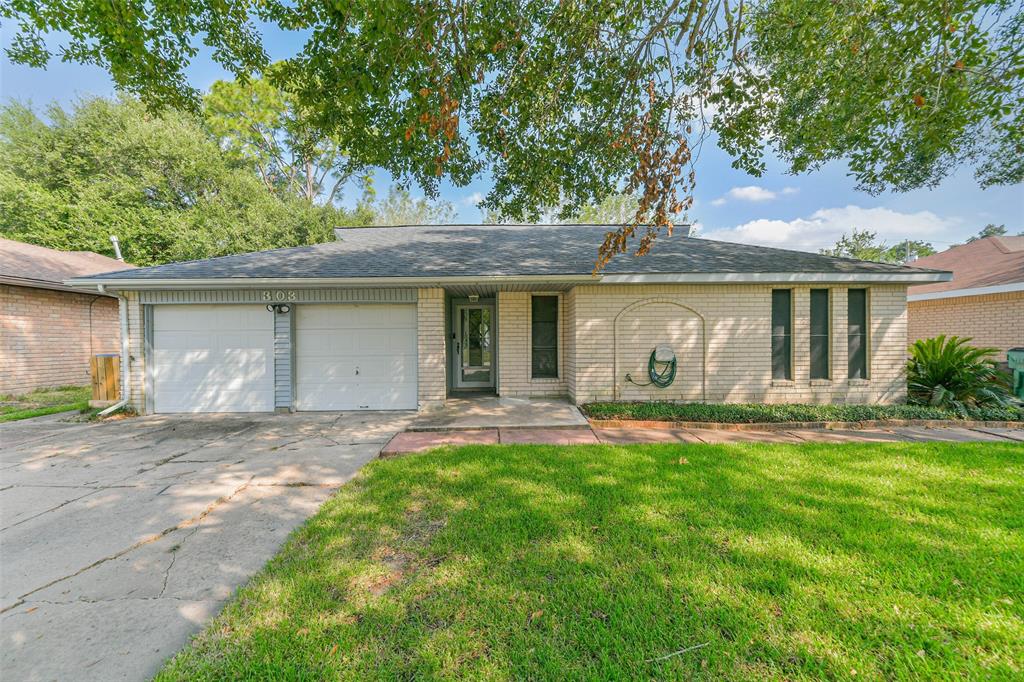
[417, 441]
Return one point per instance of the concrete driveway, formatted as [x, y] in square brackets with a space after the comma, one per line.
[118, 540]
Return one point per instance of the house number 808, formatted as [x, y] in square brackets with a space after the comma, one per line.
[278, 295]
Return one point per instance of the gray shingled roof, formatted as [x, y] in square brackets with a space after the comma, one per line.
[498, 250]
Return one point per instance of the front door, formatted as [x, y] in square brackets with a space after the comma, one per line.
[474, 345]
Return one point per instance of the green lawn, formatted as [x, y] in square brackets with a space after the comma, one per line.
[44, 401]
[532, 562]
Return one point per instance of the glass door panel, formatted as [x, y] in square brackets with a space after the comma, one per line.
[474, 346]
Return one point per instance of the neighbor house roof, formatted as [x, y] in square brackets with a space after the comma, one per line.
[984, 266]
[438, 253]
[29, 265]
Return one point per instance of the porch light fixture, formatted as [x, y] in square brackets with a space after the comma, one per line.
[473, 298]
[279, 308]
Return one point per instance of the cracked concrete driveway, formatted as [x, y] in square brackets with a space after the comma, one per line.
[118, 540]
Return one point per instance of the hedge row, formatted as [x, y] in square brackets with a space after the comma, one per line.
[787, 412]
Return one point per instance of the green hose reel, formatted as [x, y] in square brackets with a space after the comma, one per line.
[661, 368]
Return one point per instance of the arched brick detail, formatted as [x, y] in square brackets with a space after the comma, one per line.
[662, 300]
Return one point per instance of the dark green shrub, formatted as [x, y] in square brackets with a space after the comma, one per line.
[789, 412]
[950, 373]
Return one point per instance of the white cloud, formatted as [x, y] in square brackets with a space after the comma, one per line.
[822, 228]
[472, 199]
[753, 193]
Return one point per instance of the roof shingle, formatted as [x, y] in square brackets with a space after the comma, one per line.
[499, 250]
[37, 266]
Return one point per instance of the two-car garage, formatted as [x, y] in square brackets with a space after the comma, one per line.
[242, 358]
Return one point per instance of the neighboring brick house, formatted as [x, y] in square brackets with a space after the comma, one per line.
[48, 331]
[405, 317]
[983, 301]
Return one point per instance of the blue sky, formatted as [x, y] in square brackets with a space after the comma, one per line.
[805, 212]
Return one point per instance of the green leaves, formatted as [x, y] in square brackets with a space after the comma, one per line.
[160, 183]
[548, 99]
[865, 245]
[952, 374]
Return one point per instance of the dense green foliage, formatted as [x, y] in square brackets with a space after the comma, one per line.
[865, 245]
[950, 373]
[563, 103]
[262, 126]
[893, 561]
[157, 181]
[759, 413]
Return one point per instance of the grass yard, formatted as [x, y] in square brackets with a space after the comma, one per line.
[44, 401]
[896, 561]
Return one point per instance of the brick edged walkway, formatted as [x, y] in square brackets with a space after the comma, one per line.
[417, 441]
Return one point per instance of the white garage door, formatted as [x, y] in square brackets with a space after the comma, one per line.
[213, 358]
[355, 357]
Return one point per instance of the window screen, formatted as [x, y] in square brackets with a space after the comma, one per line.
[819, 334]
[782, 320]
[857, 339]
[544, 337]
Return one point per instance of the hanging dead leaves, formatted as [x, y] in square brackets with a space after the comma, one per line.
[660, 177]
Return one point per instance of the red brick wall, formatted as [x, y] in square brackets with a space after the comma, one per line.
[993, 320]
[47, 337]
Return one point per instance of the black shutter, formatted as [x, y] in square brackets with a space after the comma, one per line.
[857, 332]
[782, 320]
[819, 334]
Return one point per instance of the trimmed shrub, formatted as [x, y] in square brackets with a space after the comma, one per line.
[787, 412]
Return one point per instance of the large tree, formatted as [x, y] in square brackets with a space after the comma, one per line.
[159, 182]
[263, 125]
[563, 102]
[865, 245]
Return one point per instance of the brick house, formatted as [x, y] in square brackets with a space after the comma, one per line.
[984, 300]
[48, 330]
[405, 317]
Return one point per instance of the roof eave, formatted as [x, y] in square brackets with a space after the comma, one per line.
[664, 278]
[49, 285]
[960, 293]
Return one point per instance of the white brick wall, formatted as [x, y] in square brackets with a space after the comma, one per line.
[431, 346]
[514, 356]
[737, 319]
[136, 352]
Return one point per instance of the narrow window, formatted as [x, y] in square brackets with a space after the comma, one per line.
[782, 321]
[857, 325]
[819, 334]
[544, 337]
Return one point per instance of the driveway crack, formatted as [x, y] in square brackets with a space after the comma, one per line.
[51, 509]
[187, 523]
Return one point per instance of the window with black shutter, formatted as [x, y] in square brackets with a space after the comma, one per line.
[819, 334]
[782, 337]
[857, 332]
[544, 337]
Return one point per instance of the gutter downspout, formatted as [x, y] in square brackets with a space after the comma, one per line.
[122, 310]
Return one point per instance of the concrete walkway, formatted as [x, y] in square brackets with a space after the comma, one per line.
[417, 441]
[492, 412]
[121, 539]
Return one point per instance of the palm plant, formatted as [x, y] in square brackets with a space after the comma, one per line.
[951, 373]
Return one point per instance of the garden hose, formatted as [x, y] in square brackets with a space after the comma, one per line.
[663, 377]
